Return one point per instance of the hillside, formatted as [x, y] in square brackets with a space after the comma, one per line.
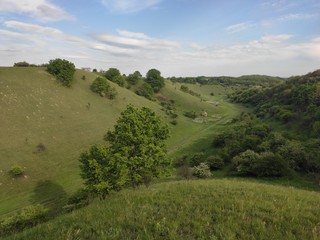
[37, 111]
[202, 209]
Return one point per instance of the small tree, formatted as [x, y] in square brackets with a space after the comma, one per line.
[139, 139]
[103, 171]
[155, 80]
[112, 73]
[63, 70]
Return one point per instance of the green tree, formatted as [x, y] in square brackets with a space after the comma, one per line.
[112, 73]
[146, 91]
[102, 170]
[120, 80]
[139, 139]
[155, 80]
[63, 70]
[134, 78]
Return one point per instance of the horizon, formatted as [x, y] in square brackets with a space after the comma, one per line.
[179, 37]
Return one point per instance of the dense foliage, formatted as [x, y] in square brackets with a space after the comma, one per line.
[63, 70]
[146, 91]
[294, 101]
[155, 80]
[103, 88]
[136, 153]
[247, 80]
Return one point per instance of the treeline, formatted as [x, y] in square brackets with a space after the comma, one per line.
[247, 80]
[26, 64]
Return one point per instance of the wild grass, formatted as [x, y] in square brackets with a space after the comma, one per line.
[196, 209]
[37, 110]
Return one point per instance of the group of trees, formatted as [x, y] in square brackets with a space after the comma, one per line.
[136, 153]
[296, 100]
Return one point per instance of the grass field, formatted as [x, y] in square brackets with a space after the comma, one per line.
[35, 108]
[196, 209]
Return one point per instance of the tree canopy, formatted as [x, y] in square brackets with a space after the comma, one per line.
[155, 80]
[63, 70]
[112, 73]
[135, 154]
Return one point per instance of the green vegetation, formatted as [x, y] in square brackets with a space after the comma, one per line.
[62, 69]
[136, 153]
[208, 133]
[216, 209]
[155, 80]
[16, 171]
[103, 88]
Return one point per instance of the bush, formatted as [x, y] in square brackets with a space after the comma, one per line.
[174, 122]
[266, 164]
[202, 171]
[63, 70]
[196, 159]
[27, 217]
[184, 88]
[215, 162]
[146, 91]
[16, 171]
[185, 172]
[179, 162]
[40, 148]
[192, 115]
[101, 86]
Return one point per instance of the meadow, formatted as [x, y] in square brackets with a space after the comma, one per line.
[37, 110]
[195, 209]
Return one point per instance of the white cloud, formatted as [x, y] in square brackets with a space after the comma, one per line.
[40, 9]
[130, 51]
[129, 5]
[239, 27]
[298, 16]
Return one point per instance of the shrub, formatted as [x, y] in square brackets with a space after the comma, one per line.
[178, 162]
[174, 122]
[196, 159]
[185, 172]
[215, 162]
[202, 171]
[244, 163]
[184, 88]
[146, 91]
[192, 115]
[27, 217]
[16, 171]
[101, 86]
[40, 148]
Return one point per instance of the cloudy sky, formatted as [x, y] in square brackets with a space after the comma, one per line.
[178, 37]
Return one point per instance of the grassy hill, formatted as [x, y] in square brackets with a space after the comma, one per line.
[37, 110]
[201, 209]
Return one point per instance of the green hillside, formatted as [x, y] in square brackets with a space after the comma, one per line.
[202, 209]
[37, 110]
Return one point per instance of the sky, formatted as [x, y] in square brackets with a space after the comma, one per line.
[177, 37]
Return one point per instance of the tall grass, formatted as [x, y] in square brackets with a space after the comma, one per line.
[198, 209]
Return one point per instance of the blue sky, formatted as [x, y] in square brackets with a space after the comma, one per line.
[178, 37]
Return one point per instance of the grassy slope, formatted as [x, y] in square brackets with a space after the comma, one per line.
[201, 209]
[36, 109]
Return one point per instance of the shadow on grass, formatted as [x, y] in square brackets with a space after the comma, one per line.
[51, 195]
